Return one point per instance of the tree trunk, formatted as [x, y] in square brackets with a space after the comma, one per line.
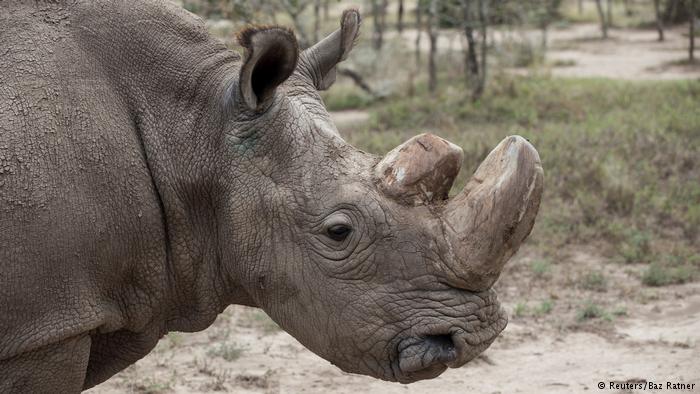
[543, 37]
[601, 15]
[326, 10]
[551, 9]
[223, 9]
[691, 29]
[610, 13]
[471, 64]
[399, 24]
[483, 22]
[628, 9]
[676, 12]
[385, 7]
[432, 36]
[580, 7]
[378, 19]
[659, 20]
[419, 31]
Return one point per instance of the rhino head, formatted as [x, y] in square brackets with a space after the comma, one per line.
[365, 260]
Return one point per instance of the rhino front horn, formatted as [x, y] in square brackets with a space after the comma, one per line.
[420, 171]
[485, 224]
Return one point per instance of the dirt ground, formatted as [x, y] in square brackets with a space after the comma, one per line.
[628, 54]
[642, 334]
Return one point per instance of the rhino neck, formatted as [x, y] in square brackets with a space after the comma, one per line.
[169, 73]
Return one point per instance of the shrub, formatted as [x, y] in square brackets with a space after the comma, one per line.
[544, 307]
[520, 309]
[636, 248]
[659, 275]
[594, 281]
[228, 351]
[590, 310]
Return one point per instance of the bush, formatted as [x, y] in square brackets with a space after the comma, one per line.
[590, 310]
[636, 247]
[659, 275]
[227, 351]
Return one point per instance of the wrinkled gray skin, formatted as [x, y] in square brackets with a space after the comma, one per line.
[147, 181]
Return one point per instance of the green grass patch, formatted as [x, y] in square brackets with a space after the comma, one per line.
[346, 96]
[544, 308]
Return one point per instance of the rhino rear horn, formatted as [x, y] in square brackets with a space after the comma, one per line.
[420, 171]
[271, 55]
[319, 61]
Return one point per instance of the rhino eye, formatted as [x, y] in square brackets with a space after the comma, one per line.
[338, 232]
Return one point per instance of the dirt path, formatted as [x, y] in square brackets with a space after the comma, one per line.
[658, 340]
[628, 54]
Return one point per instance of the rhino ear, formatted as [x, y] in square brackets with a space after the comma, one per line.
[319, 62]
[271, 55]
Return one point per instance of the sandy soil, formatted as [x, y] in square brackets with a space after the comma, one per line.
[650, 334]
[628, 54]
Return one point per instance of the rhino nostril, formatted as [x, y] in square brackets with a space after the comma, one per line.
[427, 355]
[444, 346]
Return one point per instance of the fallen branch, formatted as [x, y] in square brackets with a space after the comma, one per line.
[358, 80]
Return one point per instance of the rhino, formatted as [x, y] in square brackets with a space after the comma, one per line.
[150, 177]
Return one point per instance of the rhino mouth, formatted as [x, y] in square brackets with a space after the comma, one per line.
[427, 355]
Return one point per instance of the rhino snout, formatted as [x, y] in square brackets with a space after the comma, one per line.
[445, 346]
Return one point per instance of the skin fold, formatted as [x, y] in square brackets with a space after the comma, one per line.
[150, 177]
